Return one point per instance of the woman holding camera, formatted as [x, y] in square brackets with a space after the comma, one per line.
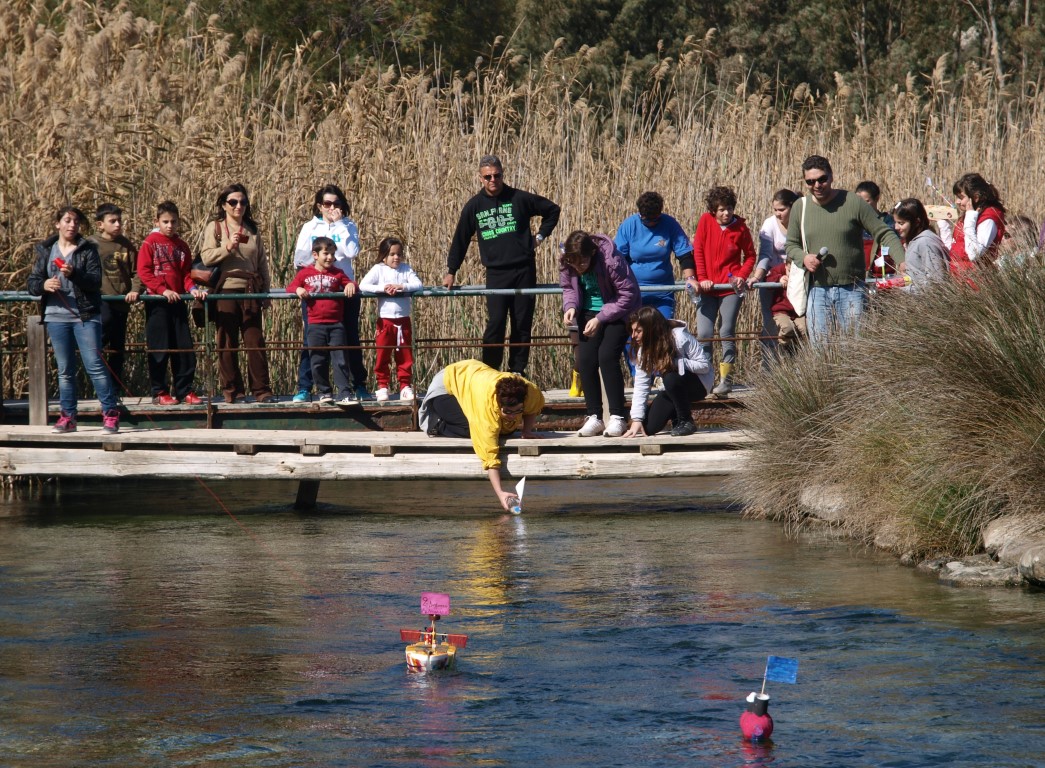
[231, 241]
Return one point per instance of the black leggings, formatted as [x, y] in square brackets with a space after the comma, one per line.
[674, 402]
[446, 418]
[601, 353]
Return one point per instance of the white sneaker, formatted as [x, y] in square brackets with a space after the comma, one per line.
[326, 399]
[406, 393]
[348, 400]
[592, 427]
[381, 395]
[617, 427]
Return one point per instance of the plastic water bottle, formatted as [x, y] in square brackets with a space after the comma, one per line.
[740, 289]
[692, 293]
[515, 505]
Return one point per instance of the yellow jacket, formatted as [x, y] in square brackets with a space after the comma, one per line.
[472, 383]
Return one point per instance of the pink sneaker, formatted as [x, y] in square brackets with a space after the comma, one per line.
[66, 423]
[111, 421]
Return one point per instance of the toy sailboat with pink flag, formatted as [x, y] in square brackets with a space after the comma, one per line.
[430, 650]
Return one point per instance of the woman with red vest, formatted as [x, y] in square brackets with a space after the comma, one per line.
[975, 240]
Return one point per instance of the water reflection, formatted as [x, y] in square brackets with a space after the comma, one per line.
[177, 636]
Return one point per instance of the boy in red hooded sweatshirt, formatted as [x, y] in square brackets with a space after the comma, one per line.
[164, 265]
[724, 254]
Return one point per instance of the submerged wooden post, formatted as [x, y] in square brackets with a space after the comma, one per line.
[308, 491]
[3, 416]
[36, 343]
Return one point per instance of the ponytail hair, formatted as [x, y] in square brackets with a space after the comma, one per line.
[385, 247]
[982, 193]
[910, 209]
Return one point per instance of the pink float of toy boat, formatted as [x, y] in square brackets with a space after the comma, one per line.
[430, 650]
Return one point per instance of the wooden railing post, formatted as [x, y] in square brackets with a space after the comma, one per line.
[3, 415]
[36, 344]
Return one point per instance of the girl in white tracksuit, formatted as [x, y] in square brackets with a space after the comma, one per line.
[393, 279]
[665, 347]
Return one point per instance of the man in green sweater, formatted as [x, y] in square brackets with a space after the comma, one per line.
[825, 237]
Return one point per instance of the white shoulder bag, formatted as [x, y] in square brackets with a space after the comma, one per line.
[797, 277]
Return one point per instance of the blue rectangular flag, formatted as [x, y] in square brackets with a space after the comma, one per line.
[781, 670]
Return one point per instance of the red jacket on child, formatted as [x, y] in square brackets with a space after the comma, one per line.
[719, 251]
[165, 263]
[312, 280]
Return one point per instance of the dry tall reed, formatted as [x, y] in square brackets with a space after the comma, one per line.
[99, 106]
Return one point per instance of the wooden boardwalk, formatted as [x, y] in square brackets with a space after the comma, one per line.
[561, 413]
[316, 455]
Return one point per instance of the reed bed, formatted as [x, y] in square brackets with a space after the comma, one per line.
[99, 105]
[927, 426]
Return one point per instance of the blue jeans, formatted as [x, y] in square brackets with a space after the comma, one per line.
[328, 335]
[353, 357]
[835, 308]
[87, 336]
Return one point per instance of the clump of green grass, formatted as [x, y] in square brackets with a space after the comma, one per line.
[930, 423]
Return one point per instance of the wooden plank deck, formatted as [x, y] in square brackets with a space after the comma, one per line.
[333, 455]
[561, 412]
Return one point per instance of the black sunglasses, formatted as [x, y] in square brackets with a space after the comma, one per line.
[235, 202]
[820, 180]
[492, 176]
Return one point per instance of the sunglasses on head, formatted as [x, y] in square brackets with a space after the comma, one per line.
[492, 176]
[235, 202]
[819, 180]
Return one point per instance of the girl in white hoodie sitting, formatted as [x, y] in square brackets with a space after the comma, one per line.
[392, 278]
[665, 347]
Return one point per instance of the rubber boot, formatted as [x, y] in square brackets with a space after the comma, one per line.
[725, 382]
[576, 390]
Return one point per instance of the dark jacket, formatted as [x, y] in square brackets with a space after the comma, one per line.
[502, 224]
[86, 276]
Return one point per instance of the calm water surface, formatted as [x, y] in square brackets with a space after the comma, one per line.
[614, 624]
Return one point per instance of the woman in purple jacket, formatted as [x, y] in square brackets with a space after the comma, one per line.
[599, 291]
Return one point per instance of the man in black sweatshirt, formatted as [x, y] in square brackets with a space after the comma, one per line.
[500, 215]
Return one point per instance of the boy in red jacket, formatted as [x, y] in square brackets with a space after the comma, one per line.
[724, 254]
[164, 264]
[326, 327]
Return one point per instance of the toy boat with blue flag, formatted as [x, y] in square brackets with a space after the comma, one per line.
[430, 650]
